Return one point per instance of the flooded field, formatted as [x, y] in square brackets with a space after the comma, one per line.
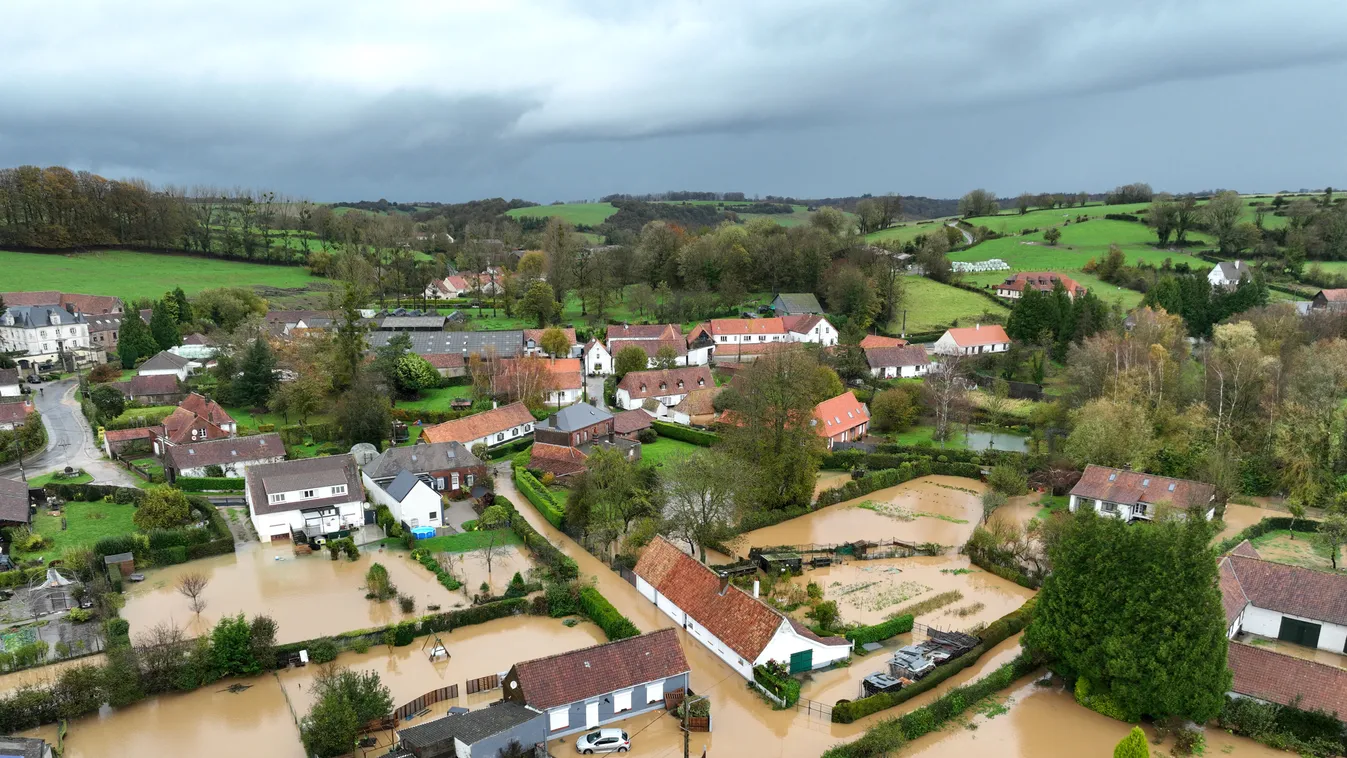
[308, 596]
[829, 479]
[982, 439]
[1240, 517]
[44, 674]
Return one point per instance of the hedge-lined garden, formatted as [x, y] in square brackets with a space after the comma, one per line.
[1269, 524]
[540, 496]
[685, 433]
[891, 477]
[609, 619]
[881, 631]
[997, 632]
[209, 483]
[771, 678]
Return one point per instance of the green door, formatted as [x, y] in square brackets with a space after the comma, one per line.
[802, 661]
[1292, 630]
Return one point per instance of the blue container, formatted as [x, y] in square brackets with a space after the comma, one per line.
[423, 532]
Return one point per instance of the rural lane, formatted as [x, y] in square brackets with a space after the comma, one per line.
[967, 236]
[69, 440]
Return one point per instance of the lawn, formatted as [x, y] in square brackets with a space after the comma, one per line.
[127, 274]
[1051, 504]
[589, 214]
[152, 411]
[907, 231]
[249, 421]
[59, 478]
[922, 435]
[665, 450]
[86, 523]
[1304, 550]
[464, 542]
[481, 318]
[437, 399]
[931, 305]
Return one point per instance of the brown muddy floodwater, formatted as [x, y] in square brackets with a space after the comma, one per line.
[829, 479]
[45, 674]
[1239, 517]
[308, 596]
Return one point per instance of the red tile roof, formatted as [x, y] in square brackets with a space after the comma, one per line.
[599, 670]
[537, 335]
[1043, 281]
[206, 408]
[801, 324]
[154, 384]
[628, 422]
[972, 336]
[1333, 296]
[876, 340]
[838, 414]
[1245, 549]
[479, 425]
[220, 452]
[1287, 680]
[698, 402]
[1233, 599]
[89, 305]
[744, 623]
[1132, 487]
[444, 360]
[644, 332]
[560, 460]
[1297, 591]
[122, 435]
[567, 373]
[747, 326]
[16, 413]
[643, 384]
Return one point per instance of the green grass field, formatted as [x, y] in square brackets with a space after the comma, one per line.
[437, 399]
[125, 274]
[907, 231]
[86, 523]
[468, 541]
[59, 478]
[665, 450]
[931, 305]
[590, 214]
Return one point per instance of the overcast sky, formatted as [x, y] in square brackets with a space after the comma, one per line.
[565, 99]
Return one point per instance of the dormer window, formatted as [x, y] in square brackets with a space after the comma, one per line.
[1145, 482]
[664, 385]
[308, 494]
[1112, 477]
[680, 384]
[277, 498]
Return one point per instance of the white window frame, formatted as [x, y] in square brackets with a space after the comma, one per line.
[654, 692]
[469, 479]
[558, 719]
[621, 701]
[276, 498]
[453, 481]
[339, 489]
[307, 494]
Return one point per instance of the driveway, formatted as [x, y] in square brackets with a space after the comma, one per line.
[69, 439]
[594, 386]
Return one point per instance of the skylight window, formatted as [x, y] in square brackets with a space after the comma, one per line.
[1111, 477]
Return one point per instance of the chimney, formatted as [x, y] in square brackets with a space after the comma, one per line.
[724, 583]
[755, 588]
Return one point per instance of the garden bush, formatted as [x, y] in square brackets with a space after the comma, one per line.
[772, 678]
[208, 483]
[433, 566]
[610, 620]
[685, 433]
[882, 631]
[539, 495]
[323, 651]
[1305, 732]
[562, 567]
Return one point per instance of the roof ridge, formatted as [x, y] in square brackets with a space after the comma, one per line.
[644, 635]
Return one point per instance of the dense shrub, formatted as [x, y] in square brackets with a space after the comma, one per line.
[882, 631]
[773, 679]
[539, 495]
[1284, 728]
[323, 651]
[562, 567]
[509, 449]
[685, 433]
[208, 483]
[433, 566]
[600, 611]
[169, 556]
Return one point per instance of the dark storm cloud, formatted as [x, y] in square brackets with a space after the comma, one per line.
[453, 100]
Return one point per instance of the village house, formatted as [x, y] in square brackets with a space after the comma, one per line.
[598, 361]
[1228, 274]
[494, 427]
[669, 386]
[595, 686]
[448, 467]
[903, 362]
[1133, 495]
[447, 364]
[643, 332]
[796, 304]
[1330, 300]
[89, 305]
[481, 733]
[500, 344]
[168, 364]
[232, 454]
[1044, 281]
[973, 340]
[14, 414]
[10, 383]
[43, 336]
[629, 424]
[14, 505]
[533, 343]
[879, 340]
[564, 441]
[196, 419]
[408, 498]
[746, 331]
[565, 382]
[738, 628]
[103, 330]
[448, 288]
[815, 329]
[286, 321]
[151, 389]
[316, 496]
[841, 419]
[697, 409]
[196, 347]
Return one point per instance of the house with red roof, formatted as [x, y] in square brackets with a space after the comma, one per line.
[841, 419]
[973, 340]
[738, 627]
[1043, 281]
[1135, 495]
[494, 427]
[809, 328]
[879, 340]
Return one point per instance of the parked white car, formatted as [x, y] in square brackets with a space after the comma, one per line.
[603, 741]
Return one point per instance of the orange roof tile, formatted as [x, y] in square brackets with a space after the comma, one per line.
[479, 425]
[838, 414]
[747, 326]
[984, 334]
[876, 340]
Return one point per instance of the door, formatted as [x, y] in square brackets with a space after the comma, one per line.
[801, 661]
[591, 715]
[1299, 632]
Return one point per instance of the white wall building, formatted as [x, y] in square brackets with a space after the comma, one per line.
[9, 382]
[973, 340]
[318, 496]
[810, 328]
[41, 333]
[597, 360]
[166, 363]
[1136, 495]
[409, 499]
[669, 387]
[1282, 602]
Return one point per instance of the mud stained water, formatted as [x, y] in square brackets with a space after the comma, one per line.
[1019, 510]
[308, 596]
[943, 497]
[1239, 517]
[829, 479]
[1046, 722]
[43, 674]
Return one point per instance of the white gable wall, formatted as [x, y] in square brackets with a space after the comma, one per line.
[421, 507]
[787, 641]
[1268, 624]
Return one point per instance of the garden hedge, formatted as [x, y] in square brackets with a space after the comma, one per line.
[610, 620]
[883, 631]
[1269, 524]
[447, 579]
[21, 577]
[685, 433]
[997, 632]
[878, 480]
[562, 566]
[785, 688]
[539, 495]
[509, 449]
[1285, 728]
[208, 483]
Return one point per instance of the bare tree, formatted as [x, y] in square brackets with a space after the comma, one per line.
[451, 563]
[492, 550]
[946, 391]
[192, 586]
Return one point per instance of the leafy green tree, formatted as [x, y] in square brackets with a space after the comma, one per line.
[825, 614]
[979, 202]
[852, 294]
[330, 728]
[109, 401]
[258, 380]
[262, 639]
[364, 414]
[1052, 235]
[344, 699]
[539, 304]
[134, 340]
[1111, 433]
[232, 652]
[1154, 645]
[1133, 745]
[628, 359]
[991, 500]
[1333, 535]
[608, 496]
[554, 342]
[162, 507]
[896, 409]
[700, 507]
[349, 343]
[1008, 480]
[415, 374]
[666, 357]
[181, 305]
[164, 324]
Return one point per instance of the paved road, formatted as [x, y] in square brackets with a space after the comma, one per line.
[69, 440]
[594, 386]
[967, 236]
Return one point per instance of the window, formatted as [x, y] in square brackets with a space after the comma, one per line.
[308, 494]
[43, 333]
[339, 489]
[558, 719]
[469, 479]
[500, 437]
[514, 432]
[453, 481]
[279, 498]
[433, 516]
[1108, 507]
[622, 701]
[720, 339]
[654, 692]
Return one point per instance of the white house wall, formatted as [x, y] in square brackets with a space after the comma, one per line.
[787, 641]
[1268, 623]
[232, 468]
[283, 523]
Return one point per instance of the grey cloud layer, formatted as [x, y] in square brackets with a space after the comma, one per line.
[450, 100]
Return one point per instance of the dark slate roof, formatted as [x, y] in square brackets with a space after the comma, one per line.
[164, 360]
[506, 344]
[30, 316]
[9, 376]
[288, 476]
[593, 671]
[800, 302]
[471, 727]
[229, 450]
[577, 416]
[401, 485]
[109, 560]
[1233, 270]
[421, 458]
[412, 322]
[23, 747]
[13, 501]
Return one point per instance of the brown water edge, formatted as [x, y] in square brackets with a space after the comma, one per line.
[1019, 510]
[845, 522]
[1046, 722]
[46, 674]
[308, 596]
[829, 479]
[1240, 517]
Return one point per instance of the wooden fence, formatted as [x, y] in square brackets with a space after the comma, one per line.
[483, 684]
[425, 701]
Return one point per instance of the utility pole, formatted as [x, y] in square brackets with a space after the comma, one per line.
[687, 713]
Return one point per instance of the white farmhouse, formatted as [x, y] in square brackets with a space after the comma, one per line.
[234, 455]
[409, 499]
[904, 361]
[316, 496]
[39, 335]
[166, 363]
[1289, 603]
[1135, 495]
[494, 427]
[737, 627]
[973, 340]
[669, 386]
[1227, 274]
[597, 360]
[809, 328]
